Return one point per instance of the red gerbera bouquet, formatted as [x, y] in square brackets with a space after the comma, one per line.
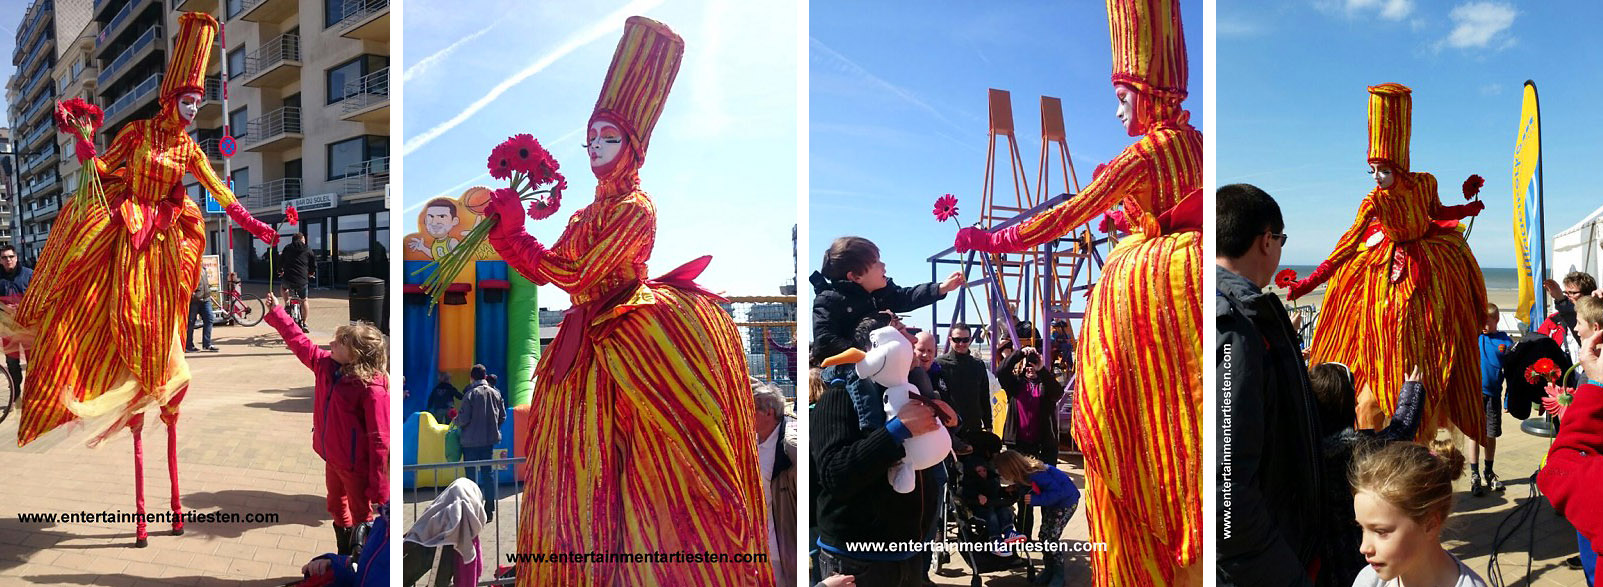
[1472, 186]
[534, 178]
[81, 119]
[292, 216]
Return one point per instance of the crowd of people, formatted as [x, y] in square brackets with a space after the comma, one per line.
[1000, 482]
[1316, 484]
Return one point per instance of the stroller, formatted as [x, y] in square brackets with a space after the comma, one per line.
[969, 527]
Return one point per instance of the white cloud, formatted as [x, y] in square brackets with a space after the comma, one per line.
[1492, 89]
[1387, 9]
[1479, 24]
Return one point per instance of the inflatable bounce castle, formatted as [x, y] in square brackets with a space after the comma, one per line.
[489, 316]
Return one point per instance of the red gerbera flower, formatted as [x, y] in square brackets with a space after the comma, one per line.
[1286, 278]
[1542, 369]
[543, 208]
[1472, 186]
[1557, 401]
[501, 162]
[526, 155]
[292, 216]
[945, 208]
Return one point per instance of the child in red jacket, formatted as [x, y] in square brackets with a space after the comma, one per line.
[1574, 465]
[350, 417]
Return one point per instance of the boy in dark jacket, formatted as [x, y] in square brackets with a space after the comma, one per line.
[852, 285]
[350, 417]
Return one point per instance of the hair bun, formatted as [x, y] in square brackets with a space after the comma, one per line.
[1447, 453]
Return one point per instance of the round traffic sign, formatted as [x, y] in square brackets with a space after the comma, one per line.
[227, 146]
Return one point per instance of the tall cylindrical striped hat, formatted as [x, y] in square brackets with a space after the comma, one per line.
[1390, 107]
[186, 68]
[637, 84]
[1149, 46]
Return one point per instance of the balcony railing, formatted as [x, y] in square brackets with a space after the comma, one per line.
[368, 176]
[33, 162]
[285, 47]
[111, 27]
[286, 120]
[37, 133]
[43, 102]
[357, 11]
[214, 89]
[145, 88]
[127, 55]
[33, 23]
[39, 186]
[366, 90]
[33, 84]
[273, 193]
[212, 148]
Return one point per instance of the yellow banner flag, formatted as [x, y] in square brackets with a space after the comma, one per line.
[1528, 232]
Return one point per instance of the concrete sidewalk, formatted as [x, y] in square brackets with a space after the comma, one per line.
[244, 446]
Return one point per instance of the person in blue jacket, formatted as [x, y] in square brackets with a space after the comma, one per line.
[371, 565]
[1051, 490]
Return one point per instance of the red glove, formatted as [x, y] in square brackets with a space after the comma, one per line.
[83, 150]
[508, 237]
[1114, 220]
[256, 227]
[1461, 211]
[1319, 276]
[978, 239]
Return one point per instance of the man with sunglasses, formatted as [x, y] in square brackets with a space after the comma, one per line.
[1560, 325]
[13, 283]
[1269, 478]
[966, 383]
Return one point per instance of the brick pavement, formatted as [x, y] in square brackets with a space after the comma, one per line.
[243, 446]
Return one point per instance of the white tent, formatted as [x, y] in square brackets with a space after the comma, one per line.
[1579, 247]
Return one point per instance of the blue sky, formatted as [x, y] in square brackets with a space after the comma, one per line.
[722, 167]
[899, 113]
[1291, 106]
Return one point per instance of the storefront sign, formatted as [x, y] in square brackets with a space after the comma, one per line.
[318, 202]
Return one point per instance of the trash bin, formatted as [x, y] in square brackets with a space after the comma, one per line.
[367, 302]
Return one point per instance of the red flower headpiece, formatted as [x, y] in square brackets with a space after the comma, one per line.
[1542, 369]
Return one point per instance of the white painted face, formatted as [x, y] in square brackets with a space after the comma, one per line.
[606, 141]
[1383, 175]
[188, 105]
[1127, 106]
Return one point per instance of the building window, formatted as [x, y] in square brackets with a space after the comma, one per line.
[241, 179]
[344, 156]
[333, 12]
[351, 71]
[234, 7]
[239, 122]
[236, 62]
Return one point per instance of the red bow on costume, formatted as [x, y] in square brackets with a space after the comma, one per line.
[145, 219]
[573, 334]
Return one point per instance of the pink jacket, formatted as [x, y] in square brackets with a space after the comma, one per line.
[350, 419]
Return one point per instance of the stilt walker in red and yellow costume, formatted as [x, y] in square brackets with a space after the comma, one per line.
[104, 318]
[642, 438]
[1138, 399]
[1404, 289]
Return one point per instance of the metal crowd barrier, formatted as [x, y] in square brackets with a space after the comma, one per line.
[490, 538]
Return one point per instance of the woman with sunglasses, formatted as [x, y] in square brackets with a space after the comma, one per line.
[1403, 287]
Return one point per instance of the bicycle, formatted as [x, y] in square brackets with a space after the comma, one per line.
[296, 308]
[242, 309]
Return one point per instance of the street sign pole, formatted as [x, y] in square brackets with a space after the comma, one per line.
[228, 159]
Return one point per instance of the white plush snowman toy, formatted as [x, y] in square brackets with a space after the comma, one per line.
[887, 363]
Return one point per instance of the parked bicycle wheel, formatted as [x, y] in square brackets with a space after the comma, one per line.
[248, 310]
